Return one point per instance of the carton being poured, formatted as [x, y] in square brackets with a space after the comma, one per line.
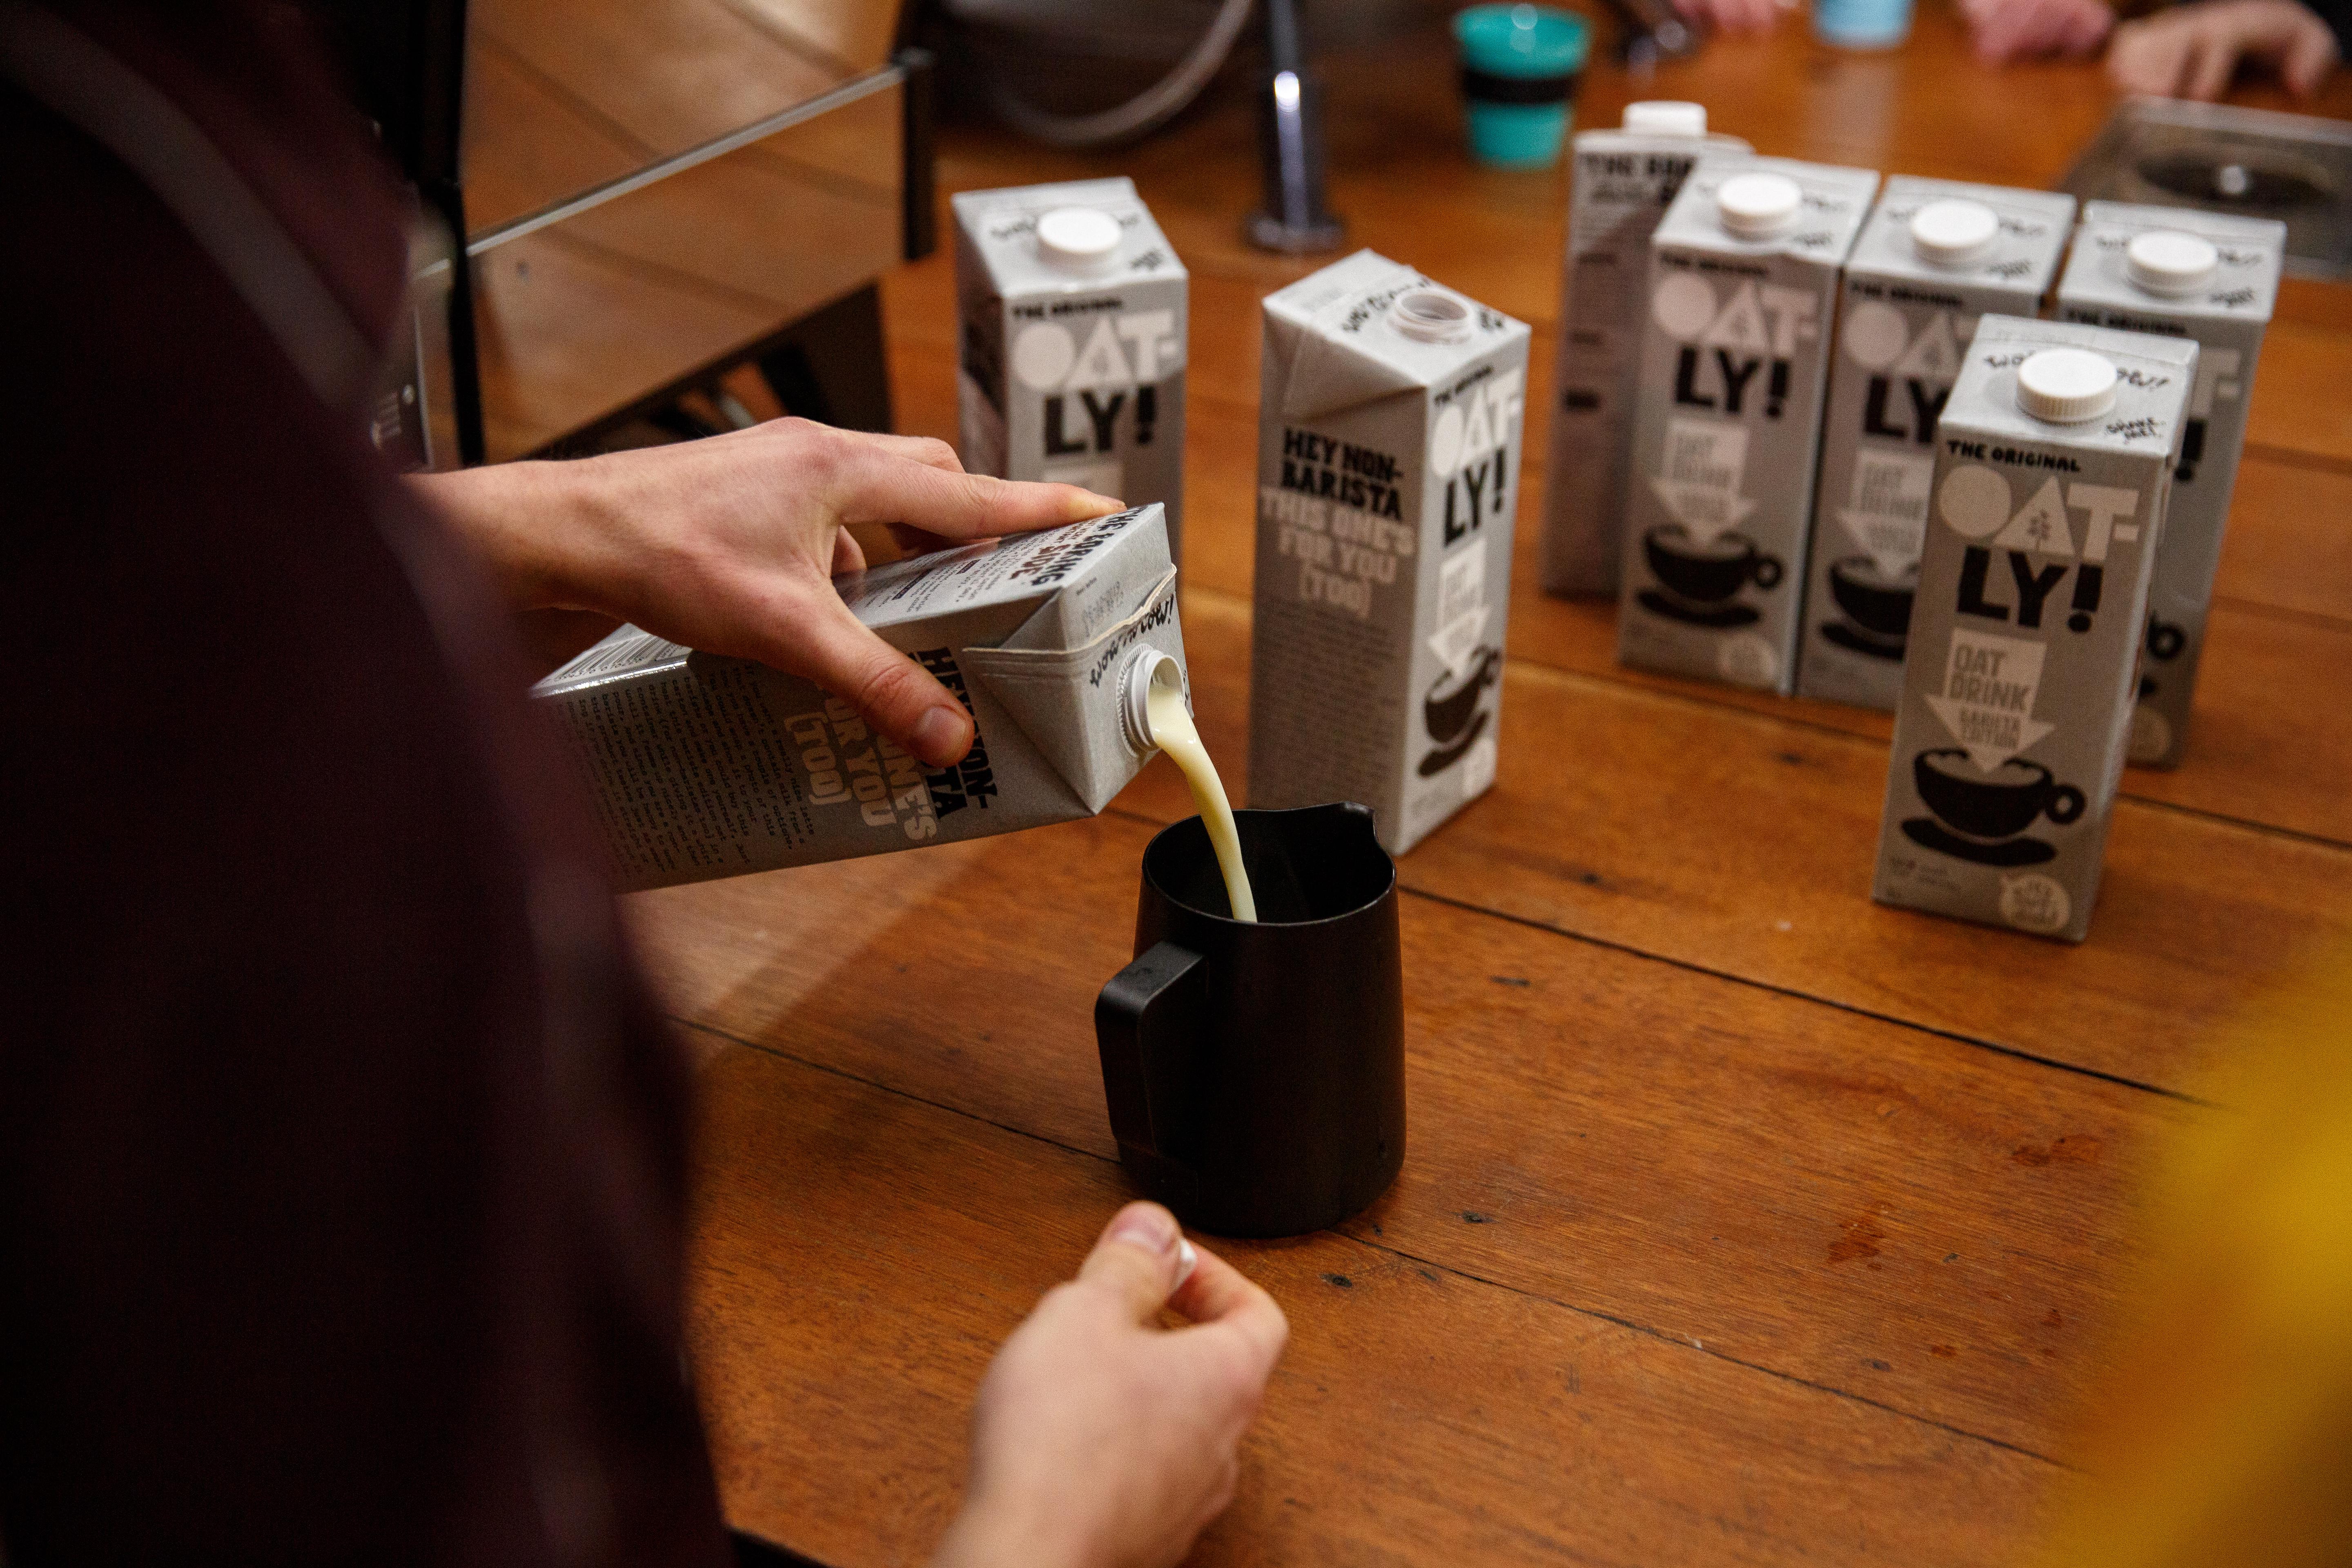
[1389, 437]
[2053, 467]
[1071, 358]
[1624, 180]
[2213, 280]
[705, 766]
[1743, 285]
[1932, 257]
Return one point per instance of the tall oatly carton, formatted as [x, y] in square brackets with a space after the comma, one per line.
[704, 766]
[1389, 435]
[1933, 255]
[2053, 467]
[1735, 350]
[2213, 280]
[1624, 180]
[1073, 319]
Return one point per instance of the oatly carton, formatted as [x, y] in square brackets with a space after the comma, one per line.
[1625, 180]
[2053, 467]
[1735, 351]
[1389, 435]
[1072, 314]
[2213, 280]
[1933, 255]
[706, 767]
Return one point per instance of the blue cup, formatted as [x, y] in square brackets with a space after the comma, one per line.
[1519, 71]
[1861, 24]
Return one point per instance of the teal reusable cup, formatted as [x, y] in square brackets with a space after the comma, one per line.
[1861, 24]
[1519, 71]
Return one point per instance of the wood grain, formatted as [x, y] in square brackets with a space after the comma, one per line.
[1743, 1220]
[1743, 842]
[1665, 1158]
[860, 1254]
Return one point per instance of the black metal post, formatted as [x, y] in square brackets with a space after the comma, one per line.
[1290, 139]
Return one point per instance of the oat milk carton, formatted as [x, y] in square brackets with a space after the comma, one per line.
[1072, 314]
[2053, 467]
[1735, 351]
[2213, 280]
[1389, 437]
[1932, 257]
[1624, 180]
[705, 766]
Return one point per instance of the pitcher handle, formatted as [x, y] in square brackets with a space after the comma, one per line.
[1136, 1022]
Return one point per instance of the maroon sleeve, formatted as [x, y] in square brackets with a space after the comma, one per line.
[341, 1157]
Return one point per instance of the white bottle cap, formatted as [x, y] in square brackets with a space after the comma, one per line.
[2169, 262]
[1666, 117]
[1953, 233]
[1427, 316]
[1081, 238]
[2065, 387]
[1758, 205]
[1146, 669]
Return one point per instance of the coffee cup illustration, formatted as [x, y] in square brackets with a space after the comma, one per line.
[1454, 699]
[1451, 709]
[1697, 578]
[1983, 816]
[1874, 607]
[2165, 642]
[1707, 571]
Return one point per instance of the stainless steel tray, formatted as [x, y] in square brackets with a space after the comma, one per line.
[2166, 152]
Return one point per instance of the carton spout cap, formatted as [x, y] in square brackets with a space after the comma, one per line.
[2066, 386]
[1149, 667]
[1758, 205]
[2168, 262]
[1955, 232]
[1083, 239]
[1427, 316]
[1666, 117]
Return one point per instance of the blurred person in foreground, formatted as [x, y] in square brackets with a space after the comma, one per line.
[2223, 1433]
[342, 1167]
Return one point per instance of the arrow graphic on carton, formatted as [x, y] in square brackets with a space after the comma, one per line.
[1461, 608]
[1886, 509]
[1987, 700]
[1704, 510]
[1700, 478]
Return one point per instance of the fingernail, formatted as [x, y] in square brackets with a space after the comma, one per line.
[1186, 1261]
[1090, 504]
[1148, 1227]
[942, 736]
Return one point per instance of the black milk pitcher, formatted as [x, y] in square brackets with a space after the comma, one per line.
[1256, 1072]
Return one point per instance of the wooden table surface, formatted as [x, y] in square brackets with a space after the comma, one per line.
[1743, 1220]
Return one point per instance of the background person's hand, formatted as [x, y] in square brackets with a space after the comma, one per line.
[2019, 29]
[1102, 1440]
[2191, 51]
[730, 545]
[1735, 15]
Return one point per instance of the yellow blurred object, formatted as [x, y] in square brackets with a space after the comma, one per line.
[2225, 1432]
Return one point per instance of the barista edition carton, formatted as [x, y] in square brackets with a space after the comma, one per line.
[1735, 351]
[1389, 439]
[1072, 367]
[705, 766]
[2224, 313]
[2033, 584]
[1932, 257]
[1624, 180]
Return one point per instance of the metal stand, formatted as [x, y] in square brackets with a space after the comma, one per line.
[1290, 138]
